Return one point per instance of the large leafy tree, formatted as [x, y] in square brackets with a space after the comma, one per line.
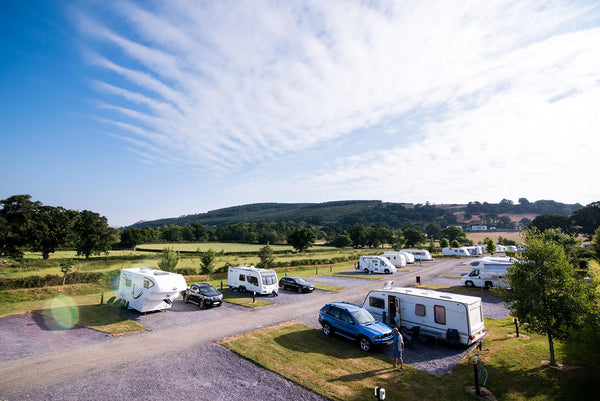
[93, 234]
[546, 221]
[490, 246]
[545, 292]
[433, 230]
[302, 238]
[358, 234]
[342, 241]
[454, 233]
[17, 213]
[51, 228]
[413, 237]
[587, 219]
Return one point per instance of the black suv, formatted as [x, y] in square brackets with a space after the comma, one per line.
[203, 294]
[296, 284]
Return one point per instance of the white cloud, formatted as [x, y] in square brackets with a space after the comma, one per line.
[501, 94]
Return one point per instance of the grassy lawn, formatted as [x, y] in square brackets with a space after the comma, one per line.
[339, 370]
[82, 310]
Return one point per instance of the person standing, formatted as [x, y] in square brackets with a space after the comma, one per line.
[398, 343]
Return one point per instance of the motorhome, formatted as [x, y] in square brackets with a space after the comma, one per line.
[252, 279]
[461, 251]
[419, 254]
[398, 259]
[145, 289]
[375, 264]
[441, 315]
[486, 273]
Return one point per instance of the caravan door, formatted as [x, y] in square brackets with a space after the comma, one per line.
[391, 313]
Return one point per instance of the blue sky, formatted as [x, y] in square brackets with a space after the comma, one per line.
[151, 109]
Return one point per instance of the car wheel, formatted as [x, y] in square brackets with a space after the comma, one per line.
[299, 290]
[201, 304]
[469, 283]
[365, 344]
[185, 299]
[327, 329]
[366, 270]
[387, 271]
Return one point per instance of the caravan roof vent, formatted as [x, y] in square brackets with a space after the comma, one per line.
[446, 296]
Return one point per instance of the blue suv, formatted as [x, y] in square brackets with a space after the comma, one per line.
[355, 323]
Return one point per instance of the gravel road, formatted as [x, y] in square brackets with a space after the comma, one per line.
[36, 361]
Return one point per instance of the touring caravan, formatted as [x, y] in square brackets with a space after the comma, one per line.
[486, 273]
[375, 264]
[461, 251]
[398, 259]
[410, 258]
[474, 250]
[455, 318]
[145, 289]
[419, 254]
[251, 279]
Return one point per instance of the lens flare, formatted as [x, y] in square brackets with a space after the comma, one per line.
[62, 312]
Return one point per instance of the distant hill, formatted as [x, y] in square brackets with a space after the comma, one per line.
[367, 212]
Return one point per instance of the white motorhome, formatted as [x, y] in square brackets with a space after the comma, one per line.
[419, 254]
[251, 279]
[398, 259]
[145, 289]
[375, 264]
[452, 317]
[486, 273]
[461, 251]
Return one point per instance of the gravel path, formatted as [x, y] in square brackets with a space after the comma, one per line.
[206, 372]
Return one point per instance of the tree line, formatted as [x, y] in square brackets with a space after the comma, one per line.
[29, 225]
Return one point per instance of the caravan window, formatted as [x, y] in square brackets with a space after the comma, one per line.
[269, 279]
[128, 282]
[377, 303]
[148, 283]
[440, 314]
[253, 280]
[419, 309]
[242, 277]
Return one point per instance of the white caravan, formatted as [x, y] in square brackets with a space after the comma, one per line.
[486, 273]
[410, 258]
[398, 259]
[474, 250]
[251, 279]
[375, 264]
[145, 289]
[419, 254]
[447, 316]
[462, 251]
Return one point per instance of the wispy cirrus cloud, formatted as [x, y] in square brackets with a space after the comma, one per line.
[228, 85]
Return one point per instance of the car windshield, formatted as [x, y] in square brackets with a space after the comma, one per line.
[208, 290]
[299, 280]
[362, 316]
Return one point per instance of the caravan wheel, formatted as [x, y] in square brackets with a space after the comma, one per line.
[387, 271]
[242, 289]
[469, 283]
[367, 271]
